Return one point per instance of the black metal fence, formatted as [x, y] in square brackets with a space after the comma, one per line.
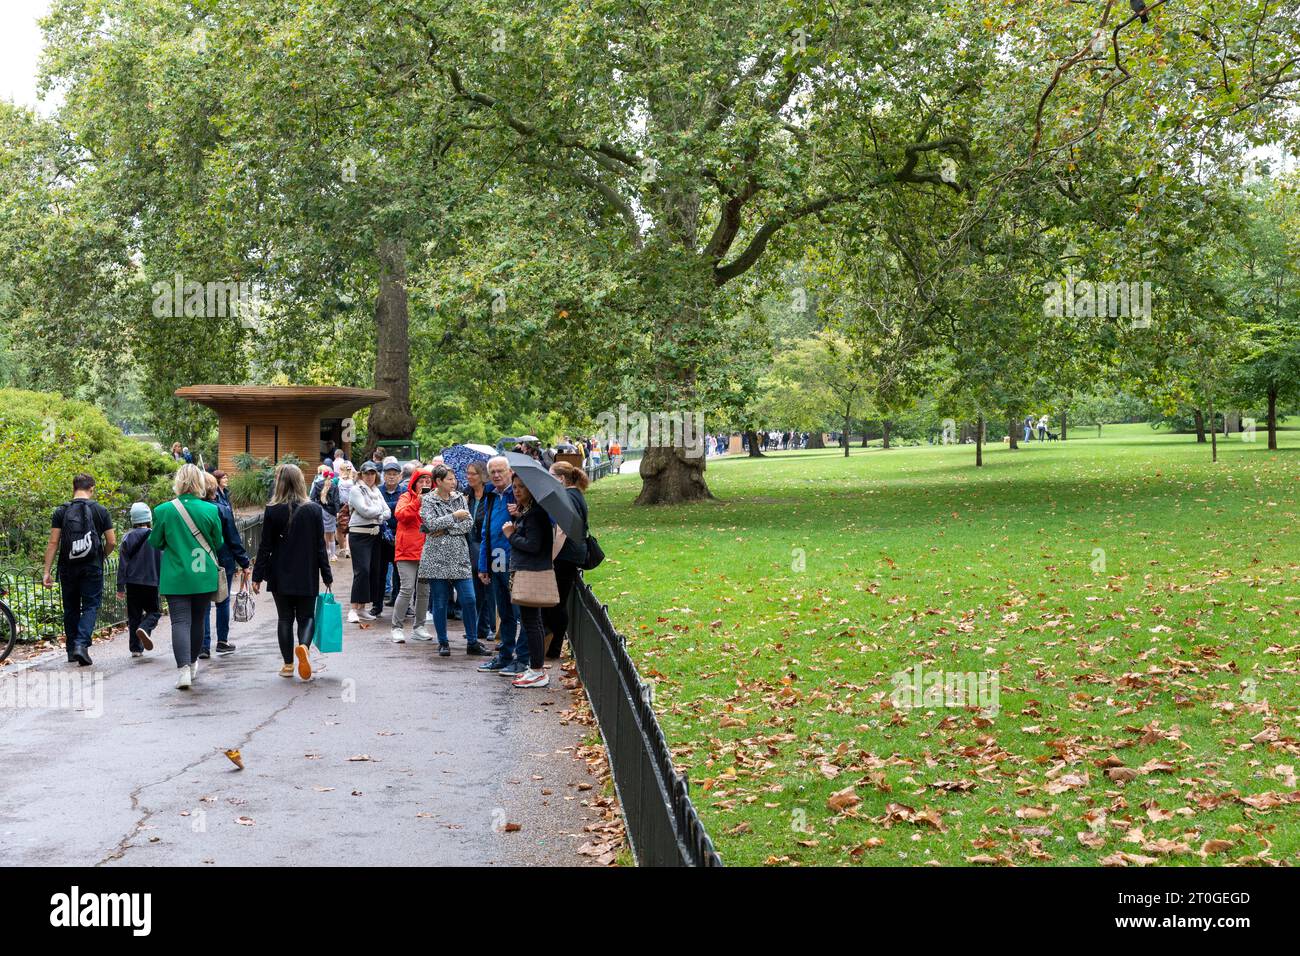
[663, 828]
[39, 610]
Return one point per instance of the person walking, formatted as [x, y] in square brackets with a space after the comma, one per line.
[446, 521]
[369, 513]
[412, 590]
[570, 557]
[531, 541]
[476, 477]
[138, 564]
[82, 535]
[187, 530]
[223, 488]
[494, 561]
[292, 560]
[232, 557]
[1042, 428]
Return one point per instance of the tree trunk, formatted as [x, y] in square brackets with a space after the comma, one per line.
[1272, 419]
[979, 442]
[1012, 441]
[1214, 435]
[846, 436]
[1063, 424]
[392, 418]
[754, 450]
[1200, 427]
[884, 428]
[670, 475]
[815, 440]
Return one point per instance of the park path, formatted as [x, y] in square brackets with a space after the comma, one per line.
[454, 755]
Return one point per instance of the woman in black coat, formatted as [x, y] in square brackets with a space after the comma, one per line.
[292, 560]
[572, 556]
[530, 550]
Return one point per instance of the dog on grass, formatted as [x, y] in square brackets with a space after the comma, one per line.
[1052, 436]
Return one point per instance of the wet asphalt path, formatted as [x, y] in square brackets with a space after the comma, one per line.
[454, 756]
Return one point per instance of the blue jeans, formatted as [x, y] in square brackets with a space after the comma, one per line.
[509, 615]
[223, 616]
[1026, 438]
[82, 590]
[442, 588]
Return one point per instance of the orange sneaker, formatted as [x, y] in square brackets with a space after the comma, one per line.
[304, 665]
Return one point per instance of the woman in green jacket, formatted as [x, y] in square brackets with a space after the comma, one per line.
[189, 573]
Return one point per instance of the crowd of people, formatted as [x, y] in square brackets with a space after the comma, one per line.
[423, 549]
[778, 440]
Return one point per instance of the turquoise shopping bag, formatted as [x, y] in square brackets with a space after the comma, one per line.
[328, 635]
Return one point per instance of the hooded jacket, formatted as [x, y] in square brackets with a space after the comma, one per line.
[410, 539]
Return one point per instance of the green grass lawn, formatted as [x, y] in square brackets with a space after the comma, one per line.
[1139, 606]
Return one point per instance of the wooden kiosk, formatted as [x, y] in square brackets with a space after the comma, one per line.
[271, 421]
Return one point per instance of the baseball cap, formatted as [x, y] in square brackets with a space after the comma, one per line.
[392, 464]
[369, 466]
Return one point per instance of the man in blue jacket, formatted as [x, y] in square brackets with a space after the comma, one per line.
[391, 488]
[494, 558]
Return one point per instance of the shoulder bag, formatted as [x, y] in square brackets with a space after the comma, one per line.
[223, 586]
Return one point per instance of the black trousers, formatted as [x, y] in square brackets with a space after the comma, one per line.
[142, 611]
[556, 618]
[291, 609]
[387, 564]
[367, 570]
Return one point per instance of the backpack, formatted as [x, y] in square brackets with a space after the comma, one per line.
[79, 538]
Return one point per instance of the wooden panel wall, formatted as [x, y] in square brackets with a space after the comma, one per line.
[298, 434]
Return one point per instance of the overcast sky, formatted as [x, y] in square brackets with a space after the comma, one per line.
[20, 47]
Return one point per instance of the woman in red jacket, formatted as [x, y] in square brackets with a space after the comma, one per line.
[407, 549]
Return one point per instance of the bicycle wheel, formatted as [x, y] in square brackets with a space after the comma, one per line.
[8, 630]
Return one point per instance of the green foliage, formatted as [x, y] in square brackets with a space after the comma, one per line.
[45, 440]
[252, 484]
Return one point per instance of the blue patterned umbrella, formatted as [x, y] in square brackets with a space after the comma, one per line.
[458, 457]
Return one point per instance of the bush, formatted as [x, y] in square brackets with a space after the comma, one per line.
[251, 485]
[45, 440]
[247, 489]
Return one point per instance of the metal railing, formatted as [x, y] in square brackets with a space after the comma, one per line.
[39, 610]
[609, 466]
[663, 828]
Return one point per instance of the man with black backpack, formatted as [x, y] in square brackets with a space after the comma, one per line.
[81, 534]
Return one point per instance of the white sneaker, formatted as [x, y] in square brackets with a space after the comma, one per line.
[137, 653]
[353, 617]
[532, 678]
[194, 672]
[399, 637]
[184, 677]
[421, 633]
[367, 616]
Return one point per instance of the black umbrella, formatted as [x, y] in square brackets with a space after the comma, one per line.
[547, 491]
